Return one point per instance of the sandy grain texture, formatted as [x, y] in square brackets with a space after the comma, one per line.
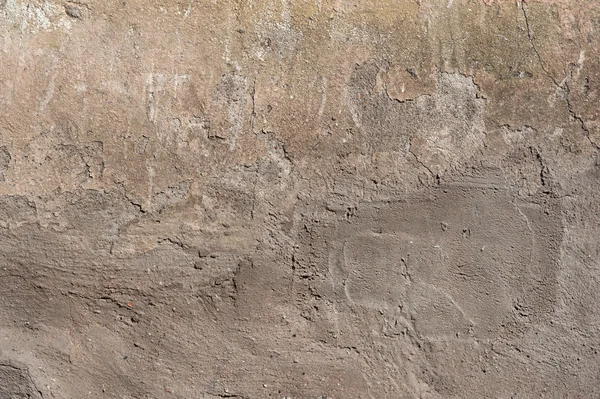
[299, 199]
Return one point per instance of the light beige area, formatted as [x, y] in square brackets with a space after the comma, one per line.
[299, 199]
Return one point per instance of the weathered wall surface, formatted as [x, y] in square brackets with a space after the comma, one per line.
[299, 199]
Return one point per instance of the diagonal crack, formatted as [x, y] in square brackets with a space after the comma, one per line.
[563, 86]
[537, 53]
[253, 99]
[423, 164]
[578, 118]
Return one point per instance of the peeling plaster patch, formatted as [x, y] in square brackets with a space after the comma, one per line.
[439, 121]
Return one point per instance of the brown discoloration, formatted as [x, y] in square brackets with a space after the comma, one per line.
[299, 198]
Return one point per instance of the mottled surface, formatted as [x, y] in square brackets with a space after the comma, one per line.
[299, 199]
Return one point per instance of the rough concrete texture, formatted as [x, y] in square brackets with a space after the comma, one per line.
[299, 199]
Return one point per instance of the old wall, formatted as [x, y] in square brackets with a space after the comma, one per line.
[299, 199]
